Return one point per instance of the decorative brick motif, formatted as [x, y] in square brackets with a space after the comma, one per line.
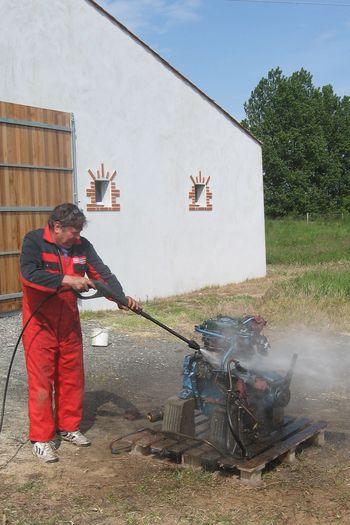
[114, 193]
[200, 180]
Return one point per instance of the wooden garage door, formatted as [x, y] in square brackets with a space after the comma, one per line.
[37, 172]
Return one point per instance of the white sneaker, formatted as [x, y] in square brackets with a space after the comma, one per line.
[77, 438]
[44, 451]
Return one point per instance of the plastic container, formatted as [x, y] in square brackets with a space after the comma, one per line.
[99, 337]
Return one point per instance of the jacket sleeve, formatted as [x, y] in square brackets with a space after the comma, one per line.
[32, 272]
[96, 269]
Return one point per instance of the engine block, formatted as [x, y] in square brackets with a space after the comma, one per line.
[229, 383]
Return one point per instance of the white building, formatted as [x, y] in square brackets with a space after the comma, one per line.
[187, 206]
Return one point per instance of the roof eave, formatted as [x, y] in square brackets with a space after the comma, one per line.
[174, 70]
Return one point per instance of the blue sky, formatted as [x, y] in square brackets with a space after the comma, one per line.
[226, 47]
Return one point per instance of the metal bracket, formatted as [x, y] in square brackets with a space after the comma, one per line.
[31, 167]
[8, 296]
[4, 254]
[34, 124]
[25, 208]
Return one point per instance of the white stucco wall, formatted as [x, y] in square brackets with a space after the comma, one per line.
[135, 115]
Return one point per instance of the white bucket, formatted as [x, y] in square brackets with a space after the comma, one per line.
[99, 337]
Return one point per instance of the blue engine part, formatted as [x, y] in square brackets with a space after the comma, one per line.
[189, 384]
[214, 373]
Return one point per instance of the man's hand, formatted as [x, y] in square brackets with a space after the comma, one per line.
[78, 284]
[132, 305]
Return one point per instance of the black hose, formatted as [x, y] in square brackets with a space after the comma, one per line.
[200, 440]
[230, 425]
[127, 435]
[228, 409]
[15, 351]
[167, 433]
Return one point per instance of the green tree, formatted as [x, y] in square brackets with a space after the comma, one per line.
[306, 143]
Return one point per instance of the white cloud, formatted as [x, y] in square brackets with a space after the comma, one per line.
[157, 15]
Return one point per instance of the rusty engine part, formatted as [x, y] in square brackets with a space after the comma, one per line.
[155, 415]
[230, 384]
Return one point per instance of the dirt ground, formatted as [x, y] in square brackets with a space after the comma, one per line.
[90, 486]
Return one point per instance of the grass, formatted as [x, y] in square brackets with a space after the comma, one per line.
[33, 486]
[168, 485]
[180, 312]
[319, 285]
[291, 241]
[194, 497]
[308, 282]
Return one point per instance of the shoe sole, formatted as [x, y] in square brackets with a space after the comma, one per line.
[47, 460]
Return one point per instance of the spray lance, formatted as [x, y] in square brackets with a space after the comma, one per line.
[102, 290]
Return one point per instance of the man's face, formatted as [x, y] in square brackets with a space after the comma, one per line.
[65, 235]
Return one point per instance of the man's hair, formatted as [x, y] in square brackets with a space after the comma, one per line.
[68, 215]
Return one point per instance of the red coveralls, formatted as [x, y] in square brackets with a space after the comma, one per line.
[52, 340]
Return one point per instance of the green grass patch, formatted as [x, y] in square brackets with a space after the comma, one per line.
[290, 241]
[177, 312]
[332, 284]
[168, 485]
[32, 486]
[316, 297]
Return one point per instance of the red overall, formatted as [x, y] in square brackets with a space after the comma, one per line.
[52, 340]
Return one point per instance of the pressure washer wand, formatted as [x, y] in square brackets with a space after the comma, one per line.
[104, 290]
[191, 343]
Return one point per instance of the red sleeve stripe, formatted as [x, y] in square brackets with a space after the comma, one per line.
[50, 257]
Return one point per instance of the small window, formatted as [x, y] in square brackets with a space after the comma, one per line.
[102, 192]
[200, 195]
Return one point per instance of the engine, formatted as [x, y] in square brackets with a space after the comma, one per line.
[229, 383]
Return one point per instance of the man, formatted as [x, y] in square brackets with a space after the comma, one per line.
[54, 264]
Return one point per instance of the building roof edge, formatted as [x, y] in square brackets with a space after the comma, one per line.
[173, 69]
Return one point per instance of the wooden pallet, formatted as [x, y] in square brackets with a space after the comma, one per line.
[190, 453]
